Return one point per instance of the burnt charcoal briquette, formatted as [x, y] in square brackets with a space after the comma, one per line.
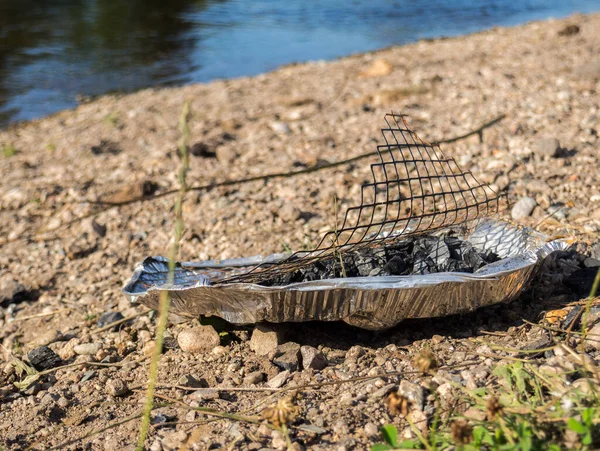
[396, 266]
[43, 358]
[423, 254]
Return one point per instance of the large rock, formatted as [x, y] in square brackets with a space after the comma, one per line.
[198, 339]
[265, 339]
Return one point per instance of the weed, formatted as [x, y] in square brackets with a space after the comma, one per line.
[8, 150]
[113, 119]
[164, 300]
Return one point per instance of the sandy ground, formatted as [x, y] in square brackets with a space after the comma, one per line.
[60, 273]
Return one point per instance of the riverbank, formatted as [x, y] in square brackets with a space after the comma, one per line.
[543, 76]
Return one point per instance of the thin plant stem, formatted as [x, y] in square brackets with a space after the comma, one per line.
[164, 300]
[337, 237]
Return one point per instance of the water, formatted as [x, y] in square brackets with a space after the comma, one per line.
[52, 51]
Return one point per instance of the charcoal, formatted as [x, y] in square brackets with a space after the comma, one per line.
[425, 254]
[582, 280]
[43, 358]
[395, 266]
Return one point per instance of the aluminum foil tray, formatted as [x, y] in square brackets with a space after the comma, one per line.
[368, 302]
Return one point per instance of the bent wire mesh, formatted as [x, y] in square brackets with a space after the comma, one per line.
[414, 189]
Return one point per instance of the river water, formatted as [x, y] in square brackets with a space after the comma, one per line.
[53, 51]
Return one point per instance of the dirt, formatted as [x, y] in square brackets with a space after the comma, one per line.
[64, 258]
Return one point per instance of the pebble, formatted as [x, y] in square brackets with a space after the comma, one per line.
[226, 155]
[198, 339]
[280, 127]
[355, 352]
[312, 358]
[219, 351]
[523, 208]
[173, 440]
[279, 380]
[287, 356]
[593, 337]
[371, 430]
[265, 339]
[548, 147]
[383, 391]
[413, 392]
[43, 358]
[190, 381]
[109, 318]
[254, 378]
[346, 399]
[205, 394]
[116, 387]
[87, 348]
[11, 291]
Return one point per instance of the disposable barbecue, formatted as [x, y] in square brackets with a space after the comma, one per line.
[421, 242]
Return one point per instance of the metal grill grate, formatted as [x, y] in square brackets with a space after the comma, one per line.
[415, 189]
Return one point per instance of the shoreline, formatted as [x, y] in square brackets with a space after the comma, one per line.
[64, 260]
[119, 94]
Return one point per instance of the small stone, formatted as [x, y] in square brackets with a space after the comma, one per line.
[312, 358]
[379, 68]
[265, 339]
[198, 339]
[383, 391]
[116, 387]
[287, 356]
[591, 262]
[593, 337]
[12, 291]
[371, 430]
[346, 399]
[190, 381]
[569, 30]
[413, 392]
[288, 213]
[219, 351]
[355, 352]
[280, 127]
[205, 394]
[278, 440]
[279, 380]
[173, 440]
[254, 378]
[474, 414]
[109, 318]
[87, 348]
[43, 358]
[523, 208]
[548, 147]
[226, 155]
